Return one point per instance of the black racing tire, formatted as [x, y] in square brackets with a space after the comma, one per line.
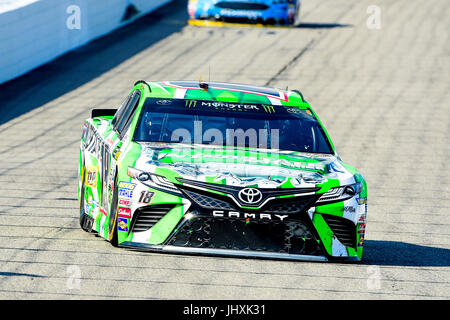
[271, 21]
[82, 213]
[112, 228]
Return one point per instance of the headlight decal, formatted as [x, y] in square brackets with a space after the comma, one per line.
[340, 194]
[153, 181]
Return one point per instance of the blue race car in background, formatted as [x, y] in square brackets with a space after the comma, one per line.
[269, 12]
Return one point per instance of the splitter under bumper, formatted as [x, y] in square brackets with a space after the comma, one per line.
[222, 252]
[204, 235]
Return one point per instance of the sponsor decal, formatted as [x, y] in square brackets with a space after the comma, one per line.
[126, 189]
[252, 14]
[248, 216]
[362, 200]
[124, 203]
[191, 103]
[127, 185]
[295, 110]
[123, 224]
[124, 212]
[164, 102]
[229, 106]
[225, 106]
[361, 240]
[268, 108]
[91, 177]
[125, 193]
[362, 228]
[362, 209]
[349, 209]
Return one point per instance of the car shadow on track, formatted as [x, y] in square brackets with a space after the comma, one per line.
[317, 25]
[16, 274]
[396, 253]
[88, 62]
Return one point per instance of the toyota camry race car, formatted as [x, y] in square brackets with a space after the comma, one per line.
[271, 12]
[222, 169]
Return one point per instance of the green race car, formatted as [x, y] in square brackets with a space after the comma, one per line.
[219, 169]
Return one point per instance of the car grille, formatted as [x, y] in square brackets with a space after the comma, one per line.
[241, 5]
[296, 206]
[208, 202]
[343, 229]
[205, 198]
[289, 236]
[146, 217]
[291, 207]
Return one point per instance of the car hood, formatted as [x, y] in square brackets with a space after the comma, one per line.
[241, 166]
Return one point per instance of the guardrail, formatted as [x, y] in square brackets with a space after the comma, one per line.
[33, 32]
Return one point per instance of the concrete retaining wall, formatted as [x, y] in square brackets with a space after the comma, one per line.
[33, 32]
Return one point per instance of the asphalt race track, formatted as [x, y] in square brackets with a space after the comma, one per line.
[383, 94]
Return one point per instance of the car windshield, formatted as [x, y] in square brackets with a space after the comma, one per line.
[230, 124]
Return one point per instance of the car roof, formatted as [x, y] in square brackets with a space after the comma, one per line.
[226, 92]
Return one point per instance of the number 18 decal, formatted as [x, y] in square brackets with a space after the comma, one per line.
[146, 196]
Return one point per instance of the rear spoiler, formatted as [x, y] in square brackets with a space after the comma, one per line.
[103, 112]
[300, 94]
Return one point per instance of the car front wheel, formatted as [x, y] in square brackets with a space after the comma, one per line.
[113, 238]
